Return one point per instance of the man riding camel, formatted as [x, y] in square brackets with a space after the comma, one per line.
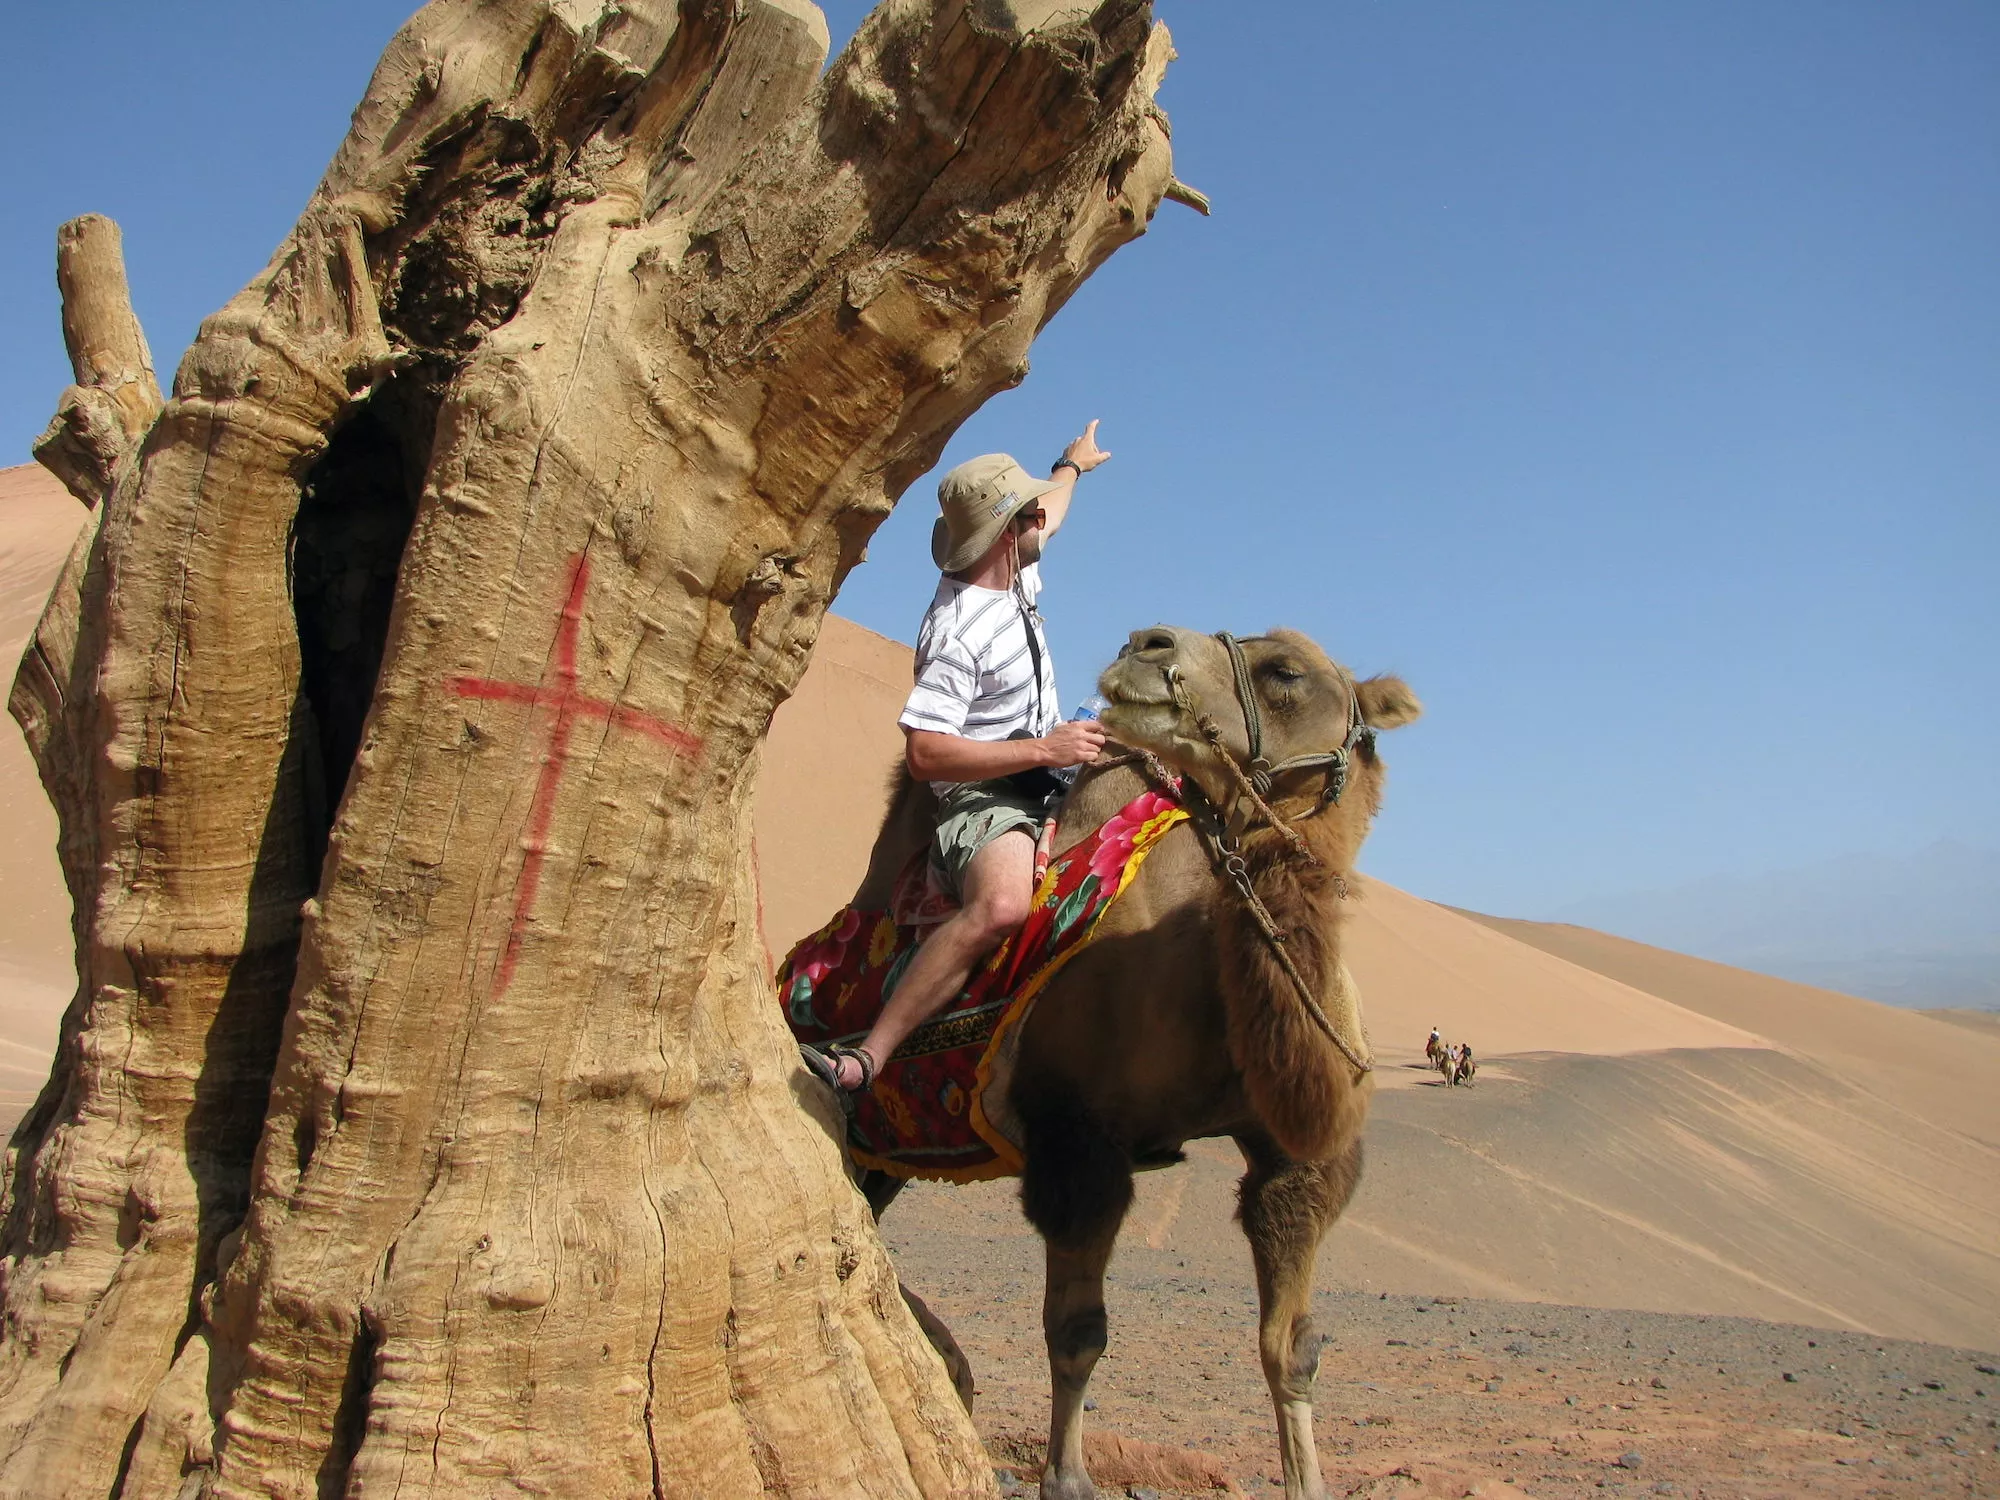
[981, 726]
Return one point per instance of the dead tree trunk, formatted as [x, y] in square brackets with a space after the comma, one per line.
[447, 601]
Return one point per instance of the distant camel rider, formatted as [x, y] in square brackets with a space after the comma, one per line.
[982, 727]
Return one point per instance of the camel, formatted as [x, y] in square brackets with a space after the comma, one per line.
[1445, 1060]
[1179, 1020]
[1465, 1067]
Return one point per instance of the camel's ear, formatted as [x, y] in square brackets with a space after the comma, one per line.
[1387, 702]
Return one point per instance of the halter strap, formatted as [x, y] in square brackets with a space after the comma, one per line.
[1246, 697]
[1262, 771]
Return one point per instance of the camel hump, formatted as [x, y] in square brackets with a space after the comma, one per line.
[906, 828]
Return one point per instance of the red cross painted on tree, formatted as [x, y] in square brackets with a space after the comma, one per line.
[566, 707]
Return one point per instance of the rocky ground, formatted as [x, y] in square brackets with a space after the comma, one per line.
[1422, 1397]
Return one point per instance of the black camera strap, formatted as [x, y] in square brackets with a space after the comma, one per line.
[1030, 620]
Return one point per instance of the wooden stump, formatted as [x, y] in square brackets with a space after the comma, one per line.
[446, 601]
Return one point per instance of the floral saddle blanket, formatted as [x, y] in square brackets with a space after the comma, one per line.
[935, 1110]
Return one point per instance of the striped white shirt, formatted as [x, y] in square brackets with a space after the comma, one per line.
[975, 671]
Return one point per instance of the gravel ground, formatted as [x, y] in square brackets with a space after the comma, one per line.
[1423, 1397]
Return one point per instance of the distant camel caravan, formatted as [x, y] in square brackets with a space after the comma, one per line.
[1182, 1017]
[1453, 1060]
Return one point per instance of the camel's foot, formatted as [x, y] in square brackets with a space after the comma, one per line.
[1067, 1484]
[1298, 1451]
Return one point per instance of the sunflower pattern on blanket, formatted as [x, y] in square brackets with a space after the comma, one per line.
[923, 1118]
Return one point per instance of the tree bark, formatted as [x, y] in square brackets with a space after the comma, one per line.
[116, 396]
[636, 327]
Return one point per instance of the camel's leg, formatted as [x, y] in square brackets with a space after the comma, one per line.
[880, 1189]
[1074, 1326]
[940, 1336]
[1075, 1189]
[1286, 1208]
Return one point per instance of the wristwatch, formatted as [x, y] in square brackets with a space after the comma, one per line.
[1066, 462]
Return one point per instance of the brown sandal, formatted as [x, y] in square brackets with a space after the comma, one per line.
[825, 1064]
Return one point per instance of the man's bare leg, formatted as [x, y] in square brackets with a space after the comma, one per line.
[997, 886]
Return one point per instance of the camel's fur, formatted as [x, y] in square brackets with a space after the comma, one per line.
[1175, 1022]
[1299, 1085]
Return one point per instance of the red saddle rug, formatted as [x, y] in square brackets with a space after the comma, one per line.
[928, 1114]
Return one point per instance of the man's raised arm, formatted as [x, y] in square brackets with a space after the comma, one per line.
[1079, 458]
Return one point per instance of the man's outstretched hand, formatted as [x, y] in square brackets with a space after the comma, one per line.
[1083, 451]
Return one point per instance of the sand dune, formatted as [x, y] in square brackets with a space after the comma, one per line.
[828, 761]
[1944, 1074]
[38, 521]
[1740, 1181]
[1985, 1022]
[1650, 1130]
[1420, 964]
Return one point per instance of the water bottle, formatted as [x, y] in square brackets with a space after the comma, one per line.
[1092, 708]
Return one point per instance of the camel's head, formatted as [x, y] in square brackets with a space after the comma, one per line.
[1305, 707]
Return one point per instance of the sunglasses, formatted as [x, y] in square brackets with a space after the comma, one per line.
[1034, 515]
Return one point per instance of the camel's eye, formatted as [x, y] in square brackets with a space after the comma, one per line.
[1284, 683]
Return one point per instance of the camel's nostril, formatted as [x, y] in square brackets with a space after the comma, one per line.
[1159, 638]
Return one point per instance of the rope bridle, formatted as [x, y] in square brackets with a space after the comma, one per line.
[1262, 772]
[1256, 781]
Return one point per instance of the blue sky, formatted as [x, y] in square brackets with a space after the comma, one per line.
[1628, 377]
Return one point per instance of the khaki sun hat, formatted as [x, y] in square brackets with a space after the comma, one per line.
[979, 498]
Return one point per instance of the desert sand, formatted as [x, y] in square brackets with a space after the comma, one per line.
[1985, 1022]
[1911, 1059]
[38, 521]
[1740, 1160]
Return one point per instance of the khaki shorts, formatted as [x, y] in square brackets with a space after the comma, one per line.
[972, 816]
